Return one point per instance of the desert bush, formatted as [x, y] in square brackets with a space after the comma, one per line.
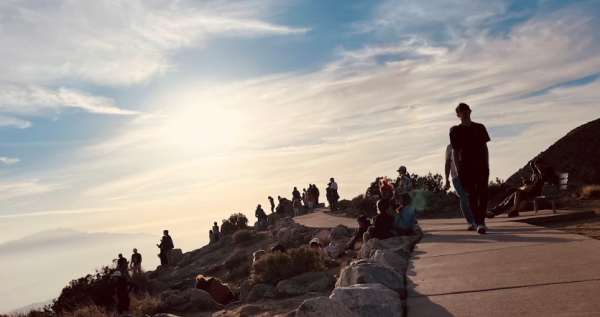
[590, 191]
[345, 204]
[93, 290]
[275, 267]
[145, 304]
[237, 221]
[242, 236]
[90, 310]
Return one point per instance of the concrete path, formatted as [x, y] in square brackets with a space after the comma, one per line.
[517, 269]
[319, 219]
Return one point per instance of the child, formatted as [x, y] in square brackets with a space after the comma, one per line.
[311, 202]
[383, 223]
[363, 225]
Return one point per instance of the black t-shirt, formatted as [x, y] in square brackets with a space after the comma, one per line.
[122, 287]
[136, 258]
[471, 143]
[122, 262]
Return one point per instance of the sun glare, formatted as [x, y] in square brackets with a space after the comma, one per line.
[204, 128]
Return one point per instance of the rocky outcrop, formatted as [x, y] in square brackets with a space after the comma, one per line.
[189, 300]
[405, 242]
[369, 272]
[322, 307]
[257, 292]
[369, 300]
[308, 282]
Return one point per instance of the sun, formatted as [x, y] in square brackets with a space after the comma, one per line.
[204, 128]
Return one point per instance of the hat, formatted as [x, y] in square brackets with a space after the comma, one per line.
[315, 240]
[402, 168]
[117, 274]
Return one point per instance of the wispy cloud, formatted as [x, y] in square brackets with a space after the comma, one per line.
[8, 160]
[59, 212]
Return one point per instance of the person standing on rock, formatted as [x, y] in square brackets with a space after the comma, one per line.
[272, 204]
[464, 201]
[211, 237]
[404, 183]
[262, 218]
[328, 195]
[123, 288]
[315, 192]
[122, 265]
[136, 263]
[296, 206]
[470, 156]
[295, 194]
[166, 245]
[216, 232]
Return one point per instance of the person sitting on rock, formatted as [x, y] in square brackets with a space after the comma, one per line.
[211, 237]
[383, 223]
[404, 218]
[363, 225]
[257, 255]
[220, 292]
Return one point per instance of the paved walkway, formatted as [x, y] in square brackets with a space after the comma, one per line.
[319, 219]
[517, 269]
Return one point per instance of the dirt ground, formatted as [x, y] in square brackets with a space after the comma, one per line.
[589, 227]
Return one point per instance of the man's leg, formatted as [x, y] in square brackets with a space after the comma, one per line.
[464, 201]
[467, 182]
[481, 186]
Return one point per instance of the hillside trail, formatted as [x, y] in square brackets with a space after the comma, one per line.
[320, 219]
[516, 269]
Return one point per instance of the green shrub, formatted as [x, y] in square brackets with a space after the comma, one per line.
[242, 236]
[275, 267]
[590, 191]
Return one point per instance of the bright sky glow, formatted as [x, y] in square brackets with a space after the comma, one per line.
[138, 115]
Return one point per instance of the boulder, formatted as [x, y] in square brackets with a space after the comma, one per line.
[245, 289]
[369, 300]
[307, 278]
[391, 259]
[201, 299]
[322, 307]
[250, 310]
[290, 288]
[368, 272]
[322, 235]
[272, 218]
[320, 286]
[177, 256]
[284, 234]
[295, 234]
[174, 301]
[338, 232]
[392, 243]
[257, 292]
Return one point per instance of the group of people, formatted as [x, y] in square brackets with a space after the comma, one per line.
[135, 265]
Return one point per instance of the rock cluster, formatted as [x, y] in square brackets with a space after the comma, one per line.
[189, 300]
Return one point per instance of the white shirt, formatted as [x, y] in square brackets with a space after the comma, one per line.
[334, 185]
[449, 156]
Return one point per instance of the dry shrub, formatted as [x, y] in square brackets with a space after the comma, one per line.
[89, 311]
[236, 259]
[242, 236]
[144, 305]
[275, 267]
[590, 191]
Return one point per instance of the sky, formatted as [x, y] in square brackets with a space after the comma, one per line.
[131, 116]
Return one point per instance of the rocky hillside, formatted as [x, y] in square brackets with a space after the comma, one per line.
[577, 153]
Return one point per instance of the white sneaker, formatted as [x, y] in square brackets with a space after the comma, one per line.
[472, 227]
[481, 229]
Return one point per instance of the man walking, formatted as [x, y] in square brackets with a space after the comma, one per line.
[166, 245]
[471, 160]
[136, 263]
[464, 201]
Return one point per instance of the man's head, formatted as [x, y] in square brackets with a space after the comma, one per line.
[331, 180]
[120, 255]
[215, 223]
[363, 221]
[259, 206]
[402, 170]
[463, 111]
[134, 250]
[383, 205]
[165, 232]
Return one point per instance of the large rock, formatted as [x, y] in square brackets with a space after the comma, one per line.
[323, 307]
[306, 282]
[320, 286]
[322, 235]
[257, 292]
[177, 256]
[245, 289]
[369, 300]
[272, 218]
[201, 299]
[369, 272]
[391, 259]
[175, 301]
[290, 288]
[392, 243]
[338, 232]
[310, 277]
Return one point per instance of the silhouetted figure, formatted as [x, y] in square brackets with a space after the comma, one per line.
[262, 218]
[295, 194]
[334, 194]
[328, 196]
[122, 287]
[216, 232]
[166, 245]
[136, 263]
[471, 159]
[272, 204]
[311, 202]
[462, 195]
[211, 237]
[315, 192]
[363, 226]
[122, 265]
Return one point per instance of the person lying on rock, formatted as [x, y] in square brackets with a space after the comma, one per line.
[383, 223]
[220, 292]
[404, 217]
[363, 225]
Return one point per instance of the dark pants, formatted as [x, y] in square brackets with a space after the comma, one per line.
[316, 200]
[505, 205]
[475, 183]
[272, 208]
[123, 304]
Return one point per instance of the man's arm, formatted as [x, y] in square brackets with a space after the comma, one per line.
[447, 170]
[455, 159]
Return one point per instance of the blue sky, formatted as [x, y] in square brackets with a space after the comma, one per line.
[130, 116]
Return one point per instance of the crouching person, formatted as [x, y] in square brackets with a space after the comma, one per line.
[363, 225]
[220, 292]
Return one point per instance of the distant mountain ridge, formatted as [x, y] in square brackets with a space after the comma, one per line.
[577, 153]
